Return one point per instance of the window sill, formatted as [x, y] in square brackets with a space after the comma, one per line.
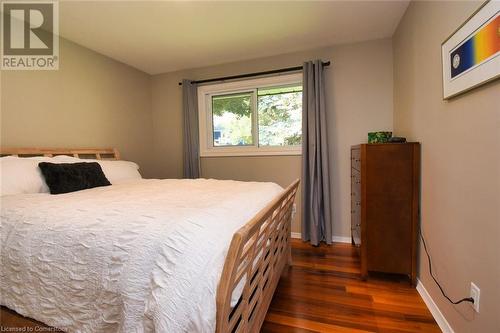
[250, 152]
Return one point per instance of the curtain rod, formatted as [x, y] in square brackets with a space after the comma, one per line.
[242, 76]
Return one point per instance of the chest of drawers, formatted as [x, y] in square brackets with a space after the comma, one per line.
[385, 190]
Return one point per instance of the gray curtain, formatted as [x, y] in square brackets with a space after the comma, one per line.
[190, 139]
[316, 200]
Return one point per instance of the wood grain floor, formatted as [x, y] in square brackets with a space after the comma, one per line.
[323, 292]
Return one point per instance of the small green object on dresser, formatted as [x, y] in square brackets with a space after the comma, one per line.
[379, 137]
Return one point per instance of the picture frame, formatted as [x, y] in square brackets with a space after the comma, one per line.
[471, 55]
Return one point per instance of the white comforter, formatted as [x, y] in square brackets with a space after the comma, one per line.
[139, 257]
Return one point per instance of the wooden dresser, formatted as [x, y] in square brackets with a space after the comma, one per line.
[385, 191]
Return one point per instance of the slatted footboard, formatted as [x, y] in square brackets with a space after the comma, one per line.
[257, 255]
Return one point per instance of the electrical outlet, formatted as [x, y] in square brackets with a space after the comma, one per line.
[475, 292]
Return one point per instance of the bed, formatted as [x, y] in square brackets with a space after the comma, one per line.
[150, 255]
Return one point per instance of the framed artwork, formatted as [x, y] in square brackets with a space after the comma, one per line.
[471, 55]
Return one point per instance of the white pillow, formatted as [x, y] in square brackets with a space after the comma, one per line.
[119, 172]
[115, 171]
[22, 175]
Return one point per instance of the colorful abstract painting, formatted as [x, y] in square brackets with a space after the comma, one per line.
[484, 44]
[471, 56]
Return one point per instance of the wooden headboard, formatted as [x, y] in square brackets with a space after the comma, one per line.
[89, 153]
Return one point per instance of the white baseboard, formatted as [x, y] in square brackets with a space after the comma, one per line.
[341, 239]
[338, 239]
[433, 308]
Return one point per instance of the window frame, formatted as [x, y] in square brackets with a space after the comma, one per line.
[205, 119]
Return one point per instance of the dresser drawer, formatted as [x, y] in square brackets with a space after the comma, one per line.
[356, 225]
[356, 236]
[356, 206]
[355, 182]
[356, 158]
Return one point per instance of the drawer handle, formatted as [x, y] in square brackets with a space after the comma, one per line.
[358, 203]
[358, 182]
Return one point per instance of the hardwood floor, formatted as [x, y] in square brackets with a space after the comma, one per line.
[323, 292]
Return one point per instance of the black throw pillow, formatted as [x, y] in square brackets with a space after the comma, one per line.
[70, 177]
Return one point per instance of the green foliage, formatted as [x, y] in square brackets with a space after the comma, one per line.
[279, 117]
[271, 110]
[293, 140]
[237, 104]
[379, 137]
[279, 90]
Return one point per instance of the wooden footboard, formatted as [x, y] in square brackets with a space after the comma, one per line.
[257, 255]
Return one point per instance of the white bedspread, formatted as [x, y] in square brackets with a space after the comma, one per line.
[138, 257]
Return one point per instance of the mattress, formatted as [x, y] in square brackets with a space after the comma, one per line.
[144, 256]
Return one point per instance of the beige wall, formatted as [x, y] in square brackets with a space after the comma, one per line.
[359, 99]
[460, 165]
[91, 101]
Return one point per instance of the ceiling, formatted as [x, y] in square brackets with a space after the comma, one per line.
[165, 36]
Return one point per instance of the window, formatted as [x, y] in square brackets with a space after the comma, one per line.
[252, 117]
[232, 120]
